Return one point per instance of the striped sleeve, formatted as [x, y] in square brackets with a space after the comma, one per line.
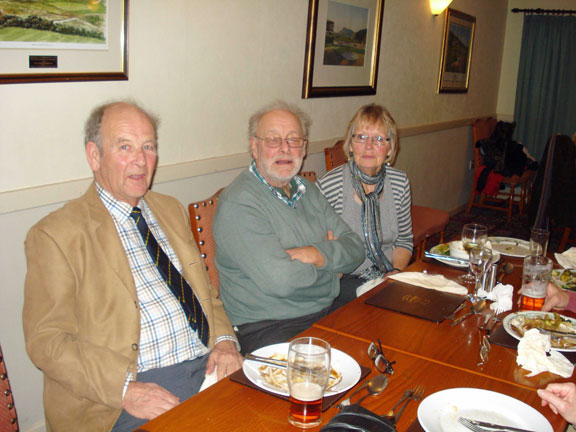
[331, 186]
[403, 202]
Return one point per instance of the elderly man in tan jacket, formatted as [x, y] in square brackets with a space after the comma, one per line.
[116, 344]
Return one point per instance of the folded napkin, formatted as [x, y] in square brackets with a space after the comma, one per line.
[567, 259]
[535, 355]
[209, 379]
[501, 295]
[436, 282]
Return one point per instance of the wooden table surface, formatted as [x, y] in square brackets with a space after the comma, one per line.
[437, 356]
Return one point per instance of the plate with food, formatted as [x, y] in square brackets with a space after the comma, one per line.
[510, 246]
[344, 374]
[455, 249]
[440, 411]
[564, 278]
[518, 323]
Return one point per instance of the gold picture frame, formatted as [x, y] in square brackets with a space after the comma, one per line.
[342, 48]
[47, 61]
[456, 57]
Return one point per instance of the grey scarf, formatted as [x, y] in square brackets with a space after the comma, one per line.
[371, 217]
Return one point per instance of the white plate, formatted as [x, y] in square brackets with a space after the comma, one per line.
[342, 362]
[508, 327]
[510, 246]
[436, 250]
[439, 412]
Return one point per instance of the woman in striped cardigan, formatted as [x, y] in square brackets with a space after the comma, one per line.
[372, 197]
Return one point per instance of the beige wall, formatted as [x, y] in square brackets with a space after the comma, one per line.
[204, 66]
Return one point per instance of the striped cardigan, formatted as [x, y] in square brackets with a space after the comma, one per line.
[331, 186]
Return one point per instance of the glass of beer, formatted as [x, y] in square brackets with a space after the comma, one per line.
[535, 277]
[308, 372]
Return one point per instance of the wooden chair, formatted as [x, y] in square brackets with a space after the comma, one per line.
[426, 221]
[517, 188]
[201, 216]
[309, 175]
[8, 417]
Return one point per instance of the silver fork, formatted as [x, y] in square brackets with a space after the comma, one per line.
[416, 394]
[470, 425]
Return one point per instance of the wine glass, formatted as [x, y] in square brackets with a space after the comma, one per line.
[479, 259]
[473, 235]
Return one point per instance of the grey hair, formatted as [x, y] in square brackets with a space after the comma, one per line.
[93, 126]
[302, 117]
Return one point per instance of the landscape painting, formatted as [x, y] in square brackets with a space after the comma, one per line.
[54, 24]
[346, 32]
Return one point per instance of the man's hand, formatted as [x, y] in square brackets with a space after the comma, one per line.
[556, 298]
[562, 399]
[147, 400]
[226, 357]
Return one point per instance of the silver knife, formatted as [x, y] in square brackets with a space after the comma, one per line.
[446, 257]
[281, 364]
[497, 427]
[556, 333]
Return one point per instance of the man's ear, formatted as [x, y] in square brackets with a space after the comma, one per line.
[93, 156]
[253, 147]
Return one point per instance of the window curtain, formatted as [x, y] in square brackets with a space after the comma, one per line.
[546, 86]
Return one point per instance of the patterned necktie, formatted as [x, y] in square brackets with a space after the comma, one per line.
[177, 284]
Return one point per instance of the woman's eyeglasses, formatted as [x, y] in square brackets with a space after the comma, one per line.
[381, 362]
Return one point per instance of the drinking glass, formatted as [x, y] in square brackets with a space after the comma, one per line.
[308, 372]
[479, 259]
[535, 277]
[473, 235]
[539, 241]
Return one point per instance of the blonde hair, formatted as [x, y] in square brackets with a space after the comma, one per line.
[373, 114]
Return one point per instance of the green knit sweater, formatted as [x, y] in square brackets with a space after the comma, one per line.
[253, 228]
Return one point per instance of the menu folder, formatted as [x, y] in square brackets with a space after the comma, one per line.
[413, 300]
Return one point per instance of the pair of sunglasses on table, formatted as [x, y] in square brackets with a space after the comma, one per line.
[380, 361]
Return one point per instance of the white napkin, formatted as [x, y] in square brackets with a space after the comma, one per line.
[209, 379]
[567, 259]
[501, 295]
[437, 282]
[532, 356]
[368, 285]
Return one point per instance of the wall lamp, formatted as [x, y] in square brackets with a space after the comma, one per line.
[438, 6]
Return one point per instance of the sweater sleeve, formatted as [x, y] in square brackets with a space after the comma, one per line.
[403, 201]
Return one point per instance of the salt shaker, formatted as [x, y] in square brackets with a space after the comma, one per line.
[489, 278]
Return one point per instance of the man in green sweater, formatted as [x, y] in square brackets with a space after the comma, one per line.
[280, 247]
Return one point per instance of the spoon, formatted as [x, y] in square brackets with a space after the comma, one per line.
[376, 382]
[376, 386]
[507, 268]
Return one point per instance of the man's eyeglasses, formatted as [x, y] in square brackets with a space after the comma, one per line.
[276, 141]
[381, 362]
[377, 140]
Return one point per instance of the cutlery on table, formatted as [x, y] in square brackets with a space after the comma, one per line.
[265, 360]
[483, 348]
[375, 386]
[475, 308]
[458, 309]
[446, 258]
[480, 426]
[416, 394]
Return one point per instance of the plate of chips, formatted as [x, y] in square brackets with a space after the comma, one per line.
[344, 371]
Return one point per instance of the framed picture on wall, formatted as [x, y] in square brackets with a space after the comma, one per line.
[82, 40]
[456, 52]
[342, 47]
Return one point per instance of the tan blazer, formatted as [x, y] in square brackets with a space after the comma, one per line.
[81, 312]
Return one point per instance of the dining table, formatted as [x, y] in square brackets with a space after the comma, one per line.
[436, 355]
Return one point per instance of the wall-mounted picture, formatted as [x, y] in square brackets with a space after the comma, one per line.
[456, 52]
[55, 40]
[342, 47]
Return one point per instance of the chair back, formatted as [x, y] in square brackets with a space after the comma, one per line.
[8, 417]
[309, 175]
[482, 128]
[335, 155]
[201, 216]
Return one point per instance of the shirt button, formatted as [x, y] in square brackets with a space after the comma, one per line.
[134, 347]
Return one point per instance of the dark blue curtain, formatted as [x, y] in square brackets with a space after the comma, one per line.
[546, 89]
